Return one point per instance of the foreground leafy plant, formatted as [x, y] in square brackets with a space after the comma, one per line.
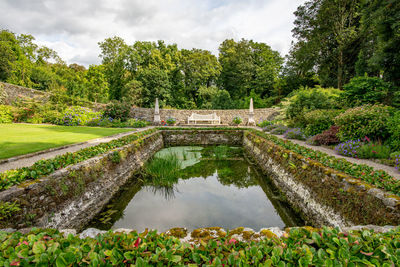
[298, 247]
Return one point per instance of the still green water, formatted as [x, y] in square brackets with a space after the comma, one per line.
[215, 187]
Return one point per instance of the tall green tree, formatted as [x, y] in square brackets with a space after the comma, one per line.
[248, 66]
[328, 39]
[200, 69]
[114, 57]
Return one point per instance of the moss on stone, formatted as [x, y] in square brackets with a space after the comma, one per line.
[177, 232]
[267, 233]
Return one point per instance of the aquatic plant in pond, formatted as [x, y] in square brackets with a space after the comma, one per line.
[221, 152]
[163, 171]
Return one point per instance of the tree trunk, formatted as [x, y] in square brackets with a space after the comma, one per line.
[340, 70]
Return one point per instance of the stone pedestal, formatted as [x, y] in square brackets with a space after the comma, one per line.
[251, 121]
[157, 118]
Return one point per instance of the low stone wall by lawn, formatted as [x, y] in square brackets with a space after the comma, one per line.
[227, 115]
[71, 197]
[324, 196]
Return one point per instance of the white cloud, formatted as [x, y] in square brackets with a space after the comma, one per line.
[73, 28]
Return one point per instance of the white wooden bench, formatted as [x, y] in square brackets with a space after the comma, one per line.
[213, 118]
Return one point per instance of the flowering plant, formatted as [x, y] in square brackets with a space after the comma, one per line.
[74, 116]
[171, 121]
[237, 120]
[349, 148]
[295, 133]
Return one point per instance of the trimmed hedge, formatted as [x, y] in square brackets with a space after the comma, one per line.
[45, 167]
[298, 247]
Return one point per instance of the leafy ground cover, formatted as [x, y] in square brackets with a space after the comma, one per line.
[19, 139]
[46, 167]
[297, 247]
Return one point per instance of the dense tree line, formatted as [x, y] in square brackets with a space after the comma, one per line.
[340, 39]
[335, 41]
[143, 71]
[194, 78]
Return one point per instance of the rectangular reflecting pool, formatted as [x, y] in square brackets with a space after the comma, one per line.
[197, 187]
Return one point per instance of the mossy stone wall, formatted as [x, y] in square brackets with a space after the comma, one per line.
[324, 196]
[202, 137]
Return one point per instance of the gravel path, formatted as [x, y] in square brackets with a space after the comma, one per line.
[30, 160]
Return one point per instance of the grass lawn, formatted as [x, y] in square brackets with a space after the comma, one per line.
[18, 139]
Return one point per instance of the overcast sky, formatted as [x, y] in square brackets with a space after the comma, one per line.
[73, 28]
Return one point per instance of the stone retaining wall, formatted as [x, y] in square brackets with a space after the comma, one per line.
[71, 197]
[15, 92]
[226, 115]
[322, 195]
[202, 137]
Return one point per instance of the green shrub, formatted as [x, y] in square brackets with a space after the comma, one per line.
[51, 116]
[367, 120]
[317, 121]
[6, 114]
[36, 118]
[75, 116]
[373, 151]
[395, 154]
[117, 110]
[24, 114]
[237, 120]
[135, 123]
[171, 121]
[59, 96]
[393, 126]
[306, 99]
[269, 128]
[295, 133]
[280, 129]
[327, 137]
[366, 90]
[264, 123]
